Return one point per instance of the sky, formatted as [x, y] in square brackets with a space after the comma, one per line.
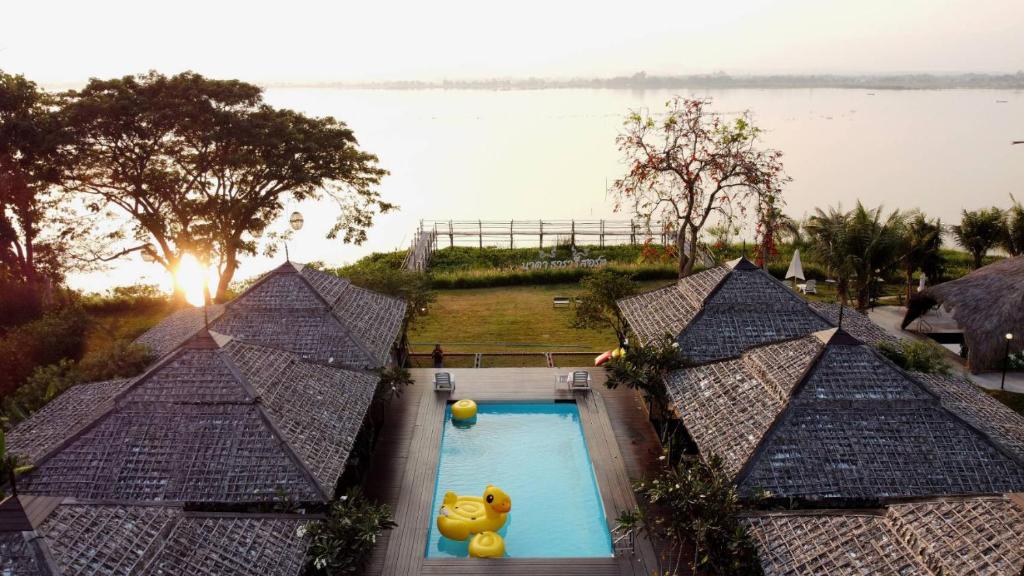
[68, 41]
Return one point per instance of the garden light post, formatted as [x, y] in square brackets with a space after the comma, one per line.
[1006, 360]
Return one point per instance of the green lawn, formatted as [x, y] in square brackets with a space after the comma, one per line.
[507, 319]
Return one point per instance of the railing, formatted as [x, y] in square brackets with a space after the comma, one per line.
[422, 248]
[528, 233]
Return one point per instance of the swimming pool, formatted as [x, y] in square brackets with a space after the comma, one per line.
[536, 453]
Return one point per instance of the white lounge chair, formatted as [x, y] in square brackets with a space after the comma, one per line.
[810, 287]
[579, 380]
[444, 382]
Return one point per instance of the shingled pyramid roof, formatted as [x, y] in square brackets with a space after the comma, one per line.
[64, 537]
[955, 536]
[319, 316]
[720, 312]
[216, 421]
[826, 416]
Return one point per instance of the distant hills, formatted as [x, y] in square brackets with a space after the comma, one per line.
[642, 80]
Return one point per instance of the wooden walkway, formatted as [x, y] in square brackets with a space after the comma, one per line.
[623, 447]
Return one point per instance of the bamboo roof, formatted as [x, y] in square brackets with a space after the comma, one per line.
[828, 417]
[720, 312]
[216, 421]
[71, 537]
[954, 536]
[319, 316]
[987, 304]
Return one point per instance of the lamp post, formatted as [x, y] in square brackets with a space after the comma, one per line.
[1006, 360]
[295, 221]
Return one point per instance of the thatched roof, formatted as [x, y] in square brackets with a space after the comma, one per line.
[65, 537]
[317, 315]
[720, 312]
[216, 421]
[826, 416]
[988, 303]
[954, 536]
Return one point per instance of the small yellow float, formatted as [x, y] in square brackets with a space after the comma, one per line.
[462, 516]
[464, 410]
[487, 545]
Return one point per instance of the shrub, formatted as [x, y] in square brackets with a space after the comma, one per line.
[55, 336]
[695, 502]
[916, 356]
[598, 307]
[124, 298]
[342, 542]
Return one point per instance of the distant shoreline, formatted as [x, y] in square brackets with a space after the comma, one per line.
[641, 81]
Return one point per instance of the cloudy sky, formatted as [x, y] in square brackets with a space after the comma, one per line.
[67, 41]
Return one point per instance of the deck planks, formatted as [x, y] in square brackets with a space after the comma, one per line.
[623, 447]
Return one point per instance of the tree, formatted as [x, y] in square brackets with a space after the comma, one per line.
[646, 369]
[202, 166]
[598, 307]
[31, 164]
[1014, 241]
[858, 246]
[341, 542]
[922, 242]
[691, 165]
[980, 231]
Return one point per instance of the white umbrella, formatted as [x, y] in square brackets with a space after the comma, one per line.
[796, 269]
[920, 285]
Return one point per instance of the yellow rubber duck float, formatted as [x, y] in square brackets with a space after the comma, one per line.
[464, 410]
[481, 516]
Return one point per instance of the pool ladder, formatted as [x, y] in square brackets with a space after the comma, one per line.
[623, 541]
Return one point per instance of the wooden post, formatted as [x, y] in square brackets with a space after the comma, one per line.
[480, 228]
[572, 235]
[602, 234]
[542, 233]
[451, 235]
[632, 233]
[511, 238]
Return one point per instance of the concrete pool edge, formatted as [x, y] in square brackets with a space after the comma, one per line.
[414, 494]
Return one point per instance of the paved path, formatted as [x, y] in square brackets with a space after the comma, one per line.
[890, 318]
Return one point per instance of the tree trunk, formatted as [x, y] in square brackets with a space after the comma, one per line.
[685, 264]
[910, 284]
[230, 265]
[978, 256]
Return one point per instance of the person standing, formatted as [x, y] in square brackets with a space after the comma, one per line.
[438, 356]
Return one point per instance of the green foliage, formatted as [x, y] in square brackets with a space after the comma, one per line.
[57, 335]
[922, 250]
[695, 502]
[492, 278]
[125, 298]
[598, 306]
[378, 275]
[491, 257]
[342, 542]
[10, 467]
[645, 368]
[1014, 241]
[916, 356]
[122, 359]
[980, 231]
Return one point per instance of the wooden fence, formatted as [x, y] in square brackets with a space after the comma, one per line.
[530, 233]
[423, 244]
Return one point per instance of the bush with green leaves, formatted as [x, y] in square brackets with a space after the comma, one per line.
[692, 507]
[916, 356]
[598, 306]
[121, 360]
[57, 335]
[645, 368]
[342, 542]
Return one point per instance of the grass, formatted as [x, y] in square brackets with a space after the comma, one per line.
[1012, 399]
[109, 326]
[507, 319]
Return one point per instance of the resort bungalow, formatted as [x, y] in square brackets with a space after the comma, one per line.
[182, 470]
[920, 470]
[987, 304]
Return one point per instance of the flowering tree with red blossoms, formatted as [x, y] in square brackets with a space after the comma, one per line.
[690, 163]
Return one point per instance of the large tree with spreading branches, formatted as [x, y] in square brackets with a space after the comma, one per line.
[204, 166]
[689, 164]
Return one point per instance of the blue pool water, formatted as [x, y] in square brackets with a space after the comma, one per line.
[536, 454]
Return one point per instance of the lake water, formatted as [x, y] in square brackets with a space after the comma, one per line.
[530, 154]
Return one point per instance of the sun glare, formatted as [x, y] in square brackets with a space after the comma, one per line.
[192, 279]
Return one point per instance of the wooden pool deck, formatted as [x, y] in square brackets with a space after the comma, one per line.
[623, 447]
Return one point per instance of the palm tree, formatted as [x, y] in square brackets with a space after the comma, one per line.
[1014, 241]
[856, 246]
[922, 241]
[827, 232]
[980, 231]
